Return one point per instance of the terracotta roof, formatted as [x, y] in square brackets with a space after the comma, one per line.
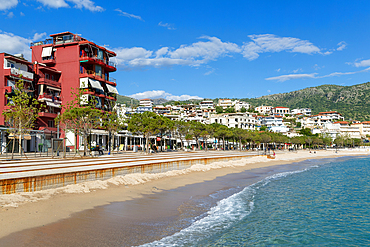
[342, 122]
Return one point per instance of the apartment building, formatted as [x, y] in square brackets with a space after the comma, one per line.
[66, 61]
[225, 103]
[238, 105]
[302, 111]
[280, 111]
[206, 104]
[263, 109]
[235, 120]
[11, 68]
[146, 102]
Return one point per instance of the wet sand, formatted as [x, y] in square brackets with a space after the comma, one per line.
[125, 215]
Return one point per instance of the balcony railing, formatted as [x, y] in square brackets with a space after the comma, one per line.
[44, 42]
[17, 72]
[97, 75]
[57, 41]
[86, 56]
[45, 81]
[49, 97]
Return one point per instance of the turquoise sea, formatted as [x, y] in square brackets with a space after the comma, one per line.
[324, 204]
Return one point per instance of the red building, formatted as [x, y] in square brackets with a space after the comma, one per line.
[11, 67]
[67, 61]
[61, 64]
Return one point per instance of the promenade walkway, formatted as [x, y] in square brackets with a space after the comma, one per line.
[38, 173]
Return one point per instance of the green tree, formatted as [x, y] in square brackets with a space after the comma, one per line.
[219, 109]
[182, 129]
[230, 110]
[196, 129]
[263, 128]
[81, 116]
[145, 124]
[243, 109]
[112, 123]
[21, 114]
[305, 132]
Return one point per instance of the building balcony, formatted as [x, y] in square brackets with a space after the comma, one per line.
[49, 82]
[100, 77]
[47, 114]
[48, 60]
[18, 73]
[108, 65]
[49, 98]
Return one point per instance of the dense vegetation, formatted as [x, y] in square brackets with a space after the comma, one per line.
[351, 101]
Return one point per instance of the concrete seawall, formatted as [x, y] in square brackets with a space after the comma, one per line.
[56, 179]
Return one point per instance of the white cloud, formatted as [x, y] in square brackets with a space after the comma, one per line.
[162, 94]
[166, 25]
[129, 15]
[363, 63]
[38, 36]
[79, 4]
[14, 44]
[193, 55]
[210, 71]
[22, 14]
[54, 3]
[87, 4]
[272, 43]
[297, 70]
[8, 4]
[10, 15]
[283, 78]
[341, 45]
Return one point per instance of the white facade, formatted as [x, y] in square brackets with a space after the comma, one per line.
[206, 104]
[238, 105]
[280, 110]
[235, 120]
[263, 109]
[303, 111]
[146, 102]
[225, 103]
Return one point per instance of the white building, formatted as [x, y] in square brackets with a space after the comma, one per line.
[263, 109]
[303, 111]
[235, 120]
[225, 103]
[279, 110]
[274, 124]
[238, 105]
[205, 104]
[146, 102]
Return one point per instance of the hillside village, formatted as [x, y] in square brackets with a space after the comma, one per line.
[240, 114]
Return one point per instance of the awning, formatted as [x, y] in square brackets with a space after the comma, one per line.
[54, 88]
[84, 82]
[95, 84]
[112, 89]
[53, 104]
[46, 51]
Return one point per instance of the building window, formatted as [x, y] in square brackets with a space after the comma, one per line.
[51, 123]
[46, 76]
[52, 78]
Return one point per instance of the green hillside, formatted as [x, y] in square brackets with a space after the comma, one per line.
[127, 100]
[352, 101]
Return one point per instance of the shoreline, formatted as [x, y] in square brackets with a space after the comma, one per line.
[47, 208]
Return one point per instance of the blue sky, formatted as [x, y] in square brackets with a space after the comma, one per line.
[207, 49]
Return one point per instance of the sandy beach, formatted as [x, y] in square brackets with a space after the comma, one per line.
[29, 210]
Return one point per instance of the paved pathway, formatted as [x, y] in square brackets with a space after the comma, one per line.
[35, 166]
